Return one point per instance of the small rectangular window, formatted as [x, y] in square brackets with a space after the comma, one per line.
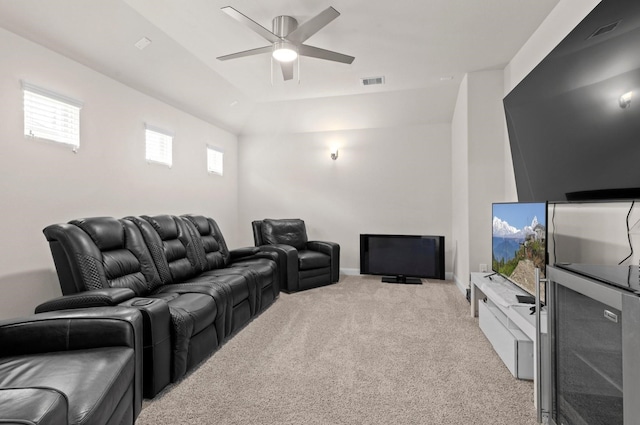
[215, 160]
[158, 146]
[51, 116]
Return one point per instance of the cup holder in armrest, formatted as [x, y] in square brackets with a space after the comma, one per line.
[141, 302]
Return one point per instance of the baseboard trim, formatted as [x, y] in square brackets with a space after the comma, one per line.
[350, 272]
[462, 287]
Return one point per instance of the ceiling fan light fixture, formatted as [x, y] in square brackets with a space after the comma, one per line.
[284, 51]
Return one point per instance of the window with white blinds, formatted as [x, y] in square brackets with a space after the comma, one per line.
[51, 116]
[215, 160]
[158, 146]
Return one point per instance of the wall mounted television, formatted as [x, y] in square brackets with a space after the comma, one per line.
[402, 258]
[519, 242]
[572, 136]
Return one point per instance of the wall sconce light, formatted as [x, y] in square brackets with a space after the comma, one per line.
[334, 153]
[625, 100]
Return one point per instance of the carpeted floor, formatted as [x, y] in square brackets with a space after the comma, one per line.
[357, 352]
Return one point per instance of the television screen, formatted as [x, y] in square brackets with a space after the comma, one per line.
[519, 242]
[402, 256]
[570, 113]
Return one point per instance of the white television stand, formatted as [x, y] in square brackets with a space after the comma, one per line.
[508, 325]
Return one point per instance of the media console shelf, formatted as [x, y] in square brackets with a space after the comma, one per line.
[508, 325]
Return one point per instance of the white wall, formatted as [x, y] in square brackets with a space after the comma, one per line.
[485, 162]
[386, 180]
[477, 167]
[561, 21]
[43, 183]
[593, 233]
[460, 185]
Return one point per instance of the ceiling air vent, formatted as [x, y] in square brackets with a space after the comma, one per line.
[605, 29]
[142, 43]
[372, 81]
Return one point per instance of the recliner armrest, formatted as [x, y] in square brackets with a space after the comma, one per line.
[287, 265]
[322, 246]
[71, 330]
[78, 329]
[243, 252]
[271, 255]
[332, 249]
[97, 298]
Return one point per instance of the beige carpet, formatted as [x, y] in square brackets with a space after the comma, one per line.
[357, 352]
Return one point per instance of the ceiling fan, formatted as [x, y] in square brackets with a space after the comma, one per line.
[287, 38]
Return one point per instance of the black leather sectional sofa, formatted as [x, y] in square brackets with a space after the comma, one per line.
[193, 292]
[72, 367]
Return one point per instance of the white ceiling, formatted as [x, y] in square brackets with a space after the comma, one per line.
[412, 43]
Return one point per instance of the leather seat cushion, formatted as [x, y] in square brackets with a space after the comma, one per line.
[308, 260]
[191, 313]
[39, 406]
[93, 380]
[232, 280]
[264, 268]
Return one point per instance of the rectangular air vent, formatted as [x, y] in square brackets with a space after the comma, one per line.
[604, 29]
[371, 81]
[142, 43]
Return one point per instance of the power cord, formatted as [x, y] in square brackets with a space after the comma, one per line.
[628, 235]
[553, 234]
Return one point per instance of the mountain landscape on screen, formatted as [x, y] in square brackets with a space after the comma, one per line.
[519, 242]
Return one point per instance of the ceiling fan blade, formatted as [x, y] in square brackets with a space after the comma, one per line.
[253, 25]
[316, 52]
[313, 25]
[259, 50]
[287, 70]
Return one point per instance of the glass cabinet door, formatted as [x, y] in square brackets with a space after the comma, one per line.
[587, 361]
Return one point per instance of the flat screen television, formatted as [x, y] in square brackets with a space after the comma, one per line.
[402, 258]
[574, 121]
[519, 242]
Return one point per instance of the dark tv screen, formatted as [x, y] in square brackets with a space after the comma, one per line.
[571, 135]
[402, 255]
[519, 242]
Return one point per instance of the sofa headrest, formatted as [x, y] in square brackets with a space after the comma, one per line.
[201, 223]
[285, 231]
[208, 238]
[165, 225]
[106, 232]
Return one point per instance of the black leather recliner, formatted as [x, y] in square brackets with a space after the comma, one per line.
[79, 366]
[308, 264]
[157, 264]
[249, 262]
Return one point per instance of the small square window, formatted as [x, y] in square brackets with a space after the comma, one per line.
[158, 146]
[50, 116]
[215, 159]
